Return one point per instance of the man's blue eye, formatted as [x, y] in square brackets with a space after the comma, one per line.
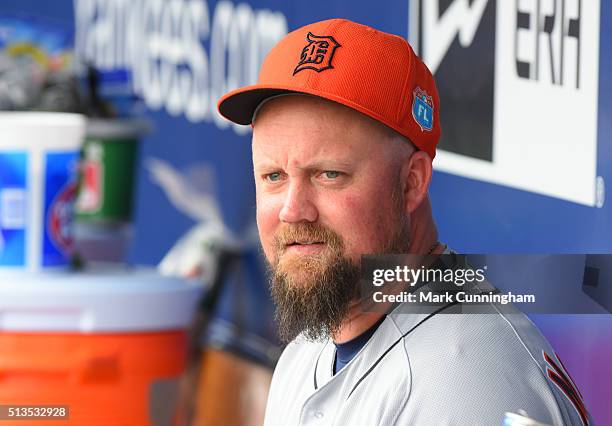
[331, 174]
[274, 177]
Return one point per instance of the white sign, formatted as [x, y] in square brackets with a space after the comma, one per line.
[546, 80]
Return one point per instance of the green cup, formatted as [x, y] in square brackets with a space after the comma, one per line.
[106, 183]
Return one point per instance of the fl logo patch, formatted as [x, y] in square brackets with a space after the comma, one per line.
[422, 109]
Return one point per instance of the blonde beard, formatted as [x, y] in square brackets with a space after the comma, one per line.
[301, 270]
[314, 293]
[315, 300]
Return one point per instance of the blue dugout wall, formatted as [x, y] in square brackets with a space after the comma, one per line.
[526, 114]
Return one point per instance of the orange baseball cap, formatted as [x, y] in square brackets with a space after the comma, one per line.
[375, 73]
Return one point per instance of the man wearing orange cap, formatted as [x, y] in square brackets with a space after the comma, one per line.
[345, 126]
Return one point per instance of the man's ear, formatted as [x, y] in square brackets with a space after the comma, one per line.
[416, 175]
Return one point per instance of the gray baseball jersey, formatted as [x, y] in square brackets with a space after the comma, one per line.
[423, 369]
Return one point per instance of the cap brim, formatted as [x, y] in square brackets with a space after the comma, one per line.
[240, 105]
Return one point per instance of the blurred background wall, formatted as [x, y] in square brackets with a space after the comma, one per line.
[525, 158]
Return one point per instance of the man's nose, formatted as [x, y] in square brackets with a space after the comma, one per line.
[298, 205]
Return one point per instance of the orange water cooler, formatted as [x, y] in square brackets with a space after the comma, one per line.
[110, 346]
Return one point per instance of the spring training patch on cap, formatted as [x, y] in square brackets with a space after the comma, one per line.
[422, 109]
[317, 54]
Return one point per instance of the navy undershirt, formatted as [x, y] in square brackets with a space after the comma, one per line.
[345, 352]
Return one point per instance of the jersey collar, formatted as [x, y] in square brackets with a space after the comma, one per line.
[398, 323]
